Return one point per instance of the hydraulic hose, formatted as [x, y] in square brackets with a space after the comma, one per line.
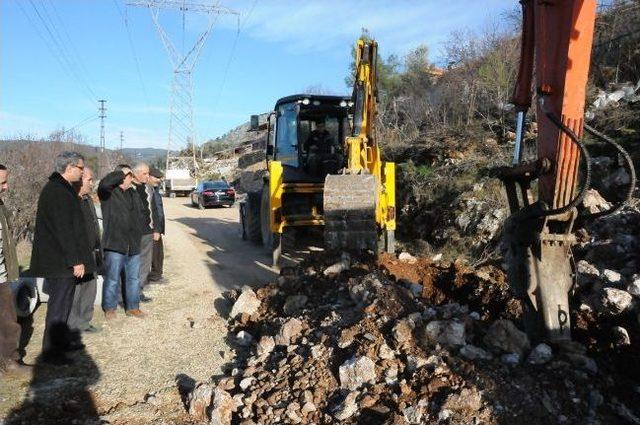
[628, 165]
[586, 161]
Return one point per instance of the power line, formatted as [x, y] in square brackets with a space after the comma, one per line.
[48, 44]
[125, 18]
[73, 51]
[59, 43]
[84, 122]
[59, 55]
[229, 60]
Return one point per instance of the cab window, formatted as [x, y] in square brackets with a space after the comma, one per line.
[287, 135]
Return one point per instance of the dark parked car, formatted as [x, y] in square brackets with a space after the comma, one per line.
[213, 193]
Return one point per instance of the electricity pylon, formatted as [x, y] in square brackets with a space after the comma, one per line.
[181, 126]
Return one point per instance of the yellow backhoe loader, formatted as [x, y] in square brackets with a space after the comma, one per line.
[325, 169]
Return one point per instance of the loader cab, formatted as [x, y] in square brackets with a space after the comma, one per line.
[307, 134]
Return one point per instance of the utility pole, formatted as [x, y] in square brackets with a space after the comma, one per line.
[121, 140]
[181, 126]
[102, 113]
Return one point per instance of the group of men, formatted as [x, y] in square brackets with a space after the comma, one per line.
[70, 249]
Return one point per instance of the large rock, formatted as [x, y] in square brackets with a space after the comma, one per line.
[289, 332]
[620, 336]
[402, 332]
[594, 202]
[356, 372]
[449, 333]
[337, 268]
[265, 345]
[348, 407]
[199, 400]
[215, 404]
[586, 268]
[634, 286]
[222, 408]
[472, 352]
[611, 276]
[405, 257]
[503, 336]
[244, 338]
[294, 303]
[247, 303]
[467, 402]
[541, 354]
[615, 301]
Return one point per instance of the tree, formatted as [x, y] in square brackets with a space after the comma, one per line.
[388, 76]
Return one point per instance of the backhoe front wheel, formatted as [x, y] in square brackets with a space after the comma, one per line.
[271, 241]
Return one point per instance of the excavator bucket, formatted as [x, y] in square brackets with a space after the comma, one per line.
[350, 212]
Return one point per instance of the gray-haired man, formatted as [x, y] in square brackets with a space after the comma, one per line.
[149, 226]
[61, 253]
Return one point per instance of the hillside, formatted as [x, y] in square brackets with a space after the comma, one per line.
[150, 155]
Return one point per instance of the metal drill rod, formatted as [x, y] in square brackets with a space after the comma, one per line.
[517, 154]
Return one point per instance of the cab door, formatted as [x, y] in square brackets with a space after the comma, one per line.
[286, 146]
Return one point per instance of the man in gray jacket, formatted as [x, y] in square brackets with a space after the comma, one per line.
[9, 328]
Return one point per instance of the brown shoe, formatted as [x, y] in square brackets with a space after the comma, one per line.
[136, 313]
[109, 314]
[15, 368]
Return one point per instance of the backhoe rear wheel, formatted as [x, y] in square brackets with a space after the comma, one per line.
[252, 217]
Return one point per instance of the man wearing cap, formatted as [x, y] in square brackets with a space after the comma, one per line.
[157, 261]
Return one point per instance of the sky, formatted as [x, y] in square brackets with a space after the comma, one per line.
[59, 57]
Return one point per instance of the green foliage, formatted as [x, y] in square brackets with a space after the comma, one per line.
[388, 70]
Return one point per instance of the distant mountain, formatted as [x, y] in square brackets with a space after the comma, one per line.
[150, 155]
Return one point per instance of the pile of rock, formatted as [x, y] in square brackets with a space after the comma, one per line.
[355, 346]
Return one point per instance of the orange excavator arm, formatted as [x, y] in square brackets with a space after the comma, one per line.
[557, 37]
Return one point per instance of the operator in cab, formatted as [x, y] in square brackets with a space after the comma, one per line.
[319, 147]
[319, 140]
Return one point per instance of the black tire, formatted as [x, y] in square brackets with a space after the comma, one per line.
[243, 221]
[265, 220]
[252, 217]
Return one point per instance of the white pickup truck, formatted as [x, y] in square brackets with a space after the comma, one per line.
[178, 181]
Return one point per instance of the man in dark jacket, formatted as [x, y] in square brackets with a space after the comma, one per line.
[148, 227]
[61, 252]
[84, 295]
[121, 216]
[9, 328]
[157, 261]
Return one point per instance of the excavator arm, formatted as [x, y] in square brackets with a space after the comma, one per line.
[359, 203]
[557, 37]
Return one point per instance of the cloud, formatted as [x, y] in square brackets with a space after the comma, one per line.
[321, 26]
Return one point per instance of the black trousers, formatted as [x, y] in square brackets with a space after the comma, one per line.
[57, 334]
[84, 297]
[157, 260]
[9, 328]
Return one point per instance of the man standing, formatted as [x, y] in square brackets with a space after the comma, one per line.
[157, 261]
[84, 295]
[148, 227]
[9, 328]
[61, 253]
[121, 218]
